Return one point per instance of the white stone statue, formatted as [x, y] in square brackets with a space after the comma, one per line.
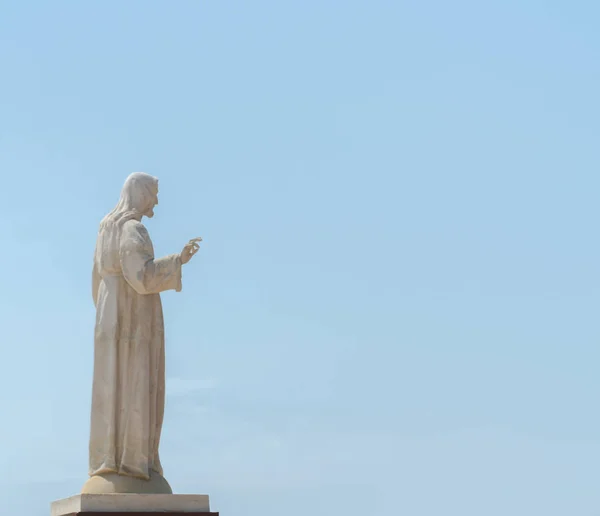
[128, 393]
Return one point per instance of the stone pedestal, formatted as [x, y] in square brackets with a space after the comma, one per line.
[132, 505]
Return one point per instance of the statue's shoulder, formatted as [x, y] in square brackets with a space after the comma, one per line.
[134, 224]
[135, 227]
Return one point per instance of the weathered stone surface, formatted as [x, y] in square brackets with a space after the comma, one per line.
[128, 393]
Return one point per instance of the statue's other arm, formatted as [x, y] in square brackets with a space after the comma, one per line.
[95, 281]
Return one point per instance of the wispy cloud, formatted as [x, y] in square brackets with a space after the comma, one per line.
[186, 386]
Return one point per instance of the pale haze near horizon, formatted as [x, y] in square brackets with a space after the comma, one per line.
[394, 310]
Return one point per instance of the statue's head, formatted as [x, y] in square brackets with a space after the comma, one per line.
[138, 198]
[140, 194]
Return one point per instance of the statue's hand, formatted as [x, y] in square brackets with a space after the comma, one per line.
[190, 249]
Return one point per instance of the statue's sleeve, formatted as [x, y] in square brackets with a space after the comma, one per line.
[145, 274]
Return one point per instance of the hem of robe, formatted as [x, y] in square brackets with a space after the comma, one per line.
[122, 472]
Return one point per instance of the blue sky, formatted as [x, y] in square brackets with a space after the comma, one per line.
[395, 307]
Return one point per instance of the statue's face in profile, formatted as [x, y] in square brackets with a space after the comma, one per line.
[153, 201]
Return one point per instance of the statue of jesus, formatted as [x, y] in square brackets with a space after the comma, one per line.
[128, 393]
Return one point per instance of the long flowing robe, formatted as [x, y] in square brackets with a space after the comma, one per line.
[128, 393]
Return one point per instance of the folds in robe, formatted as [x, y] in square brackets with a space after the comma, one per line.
[128, 393]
